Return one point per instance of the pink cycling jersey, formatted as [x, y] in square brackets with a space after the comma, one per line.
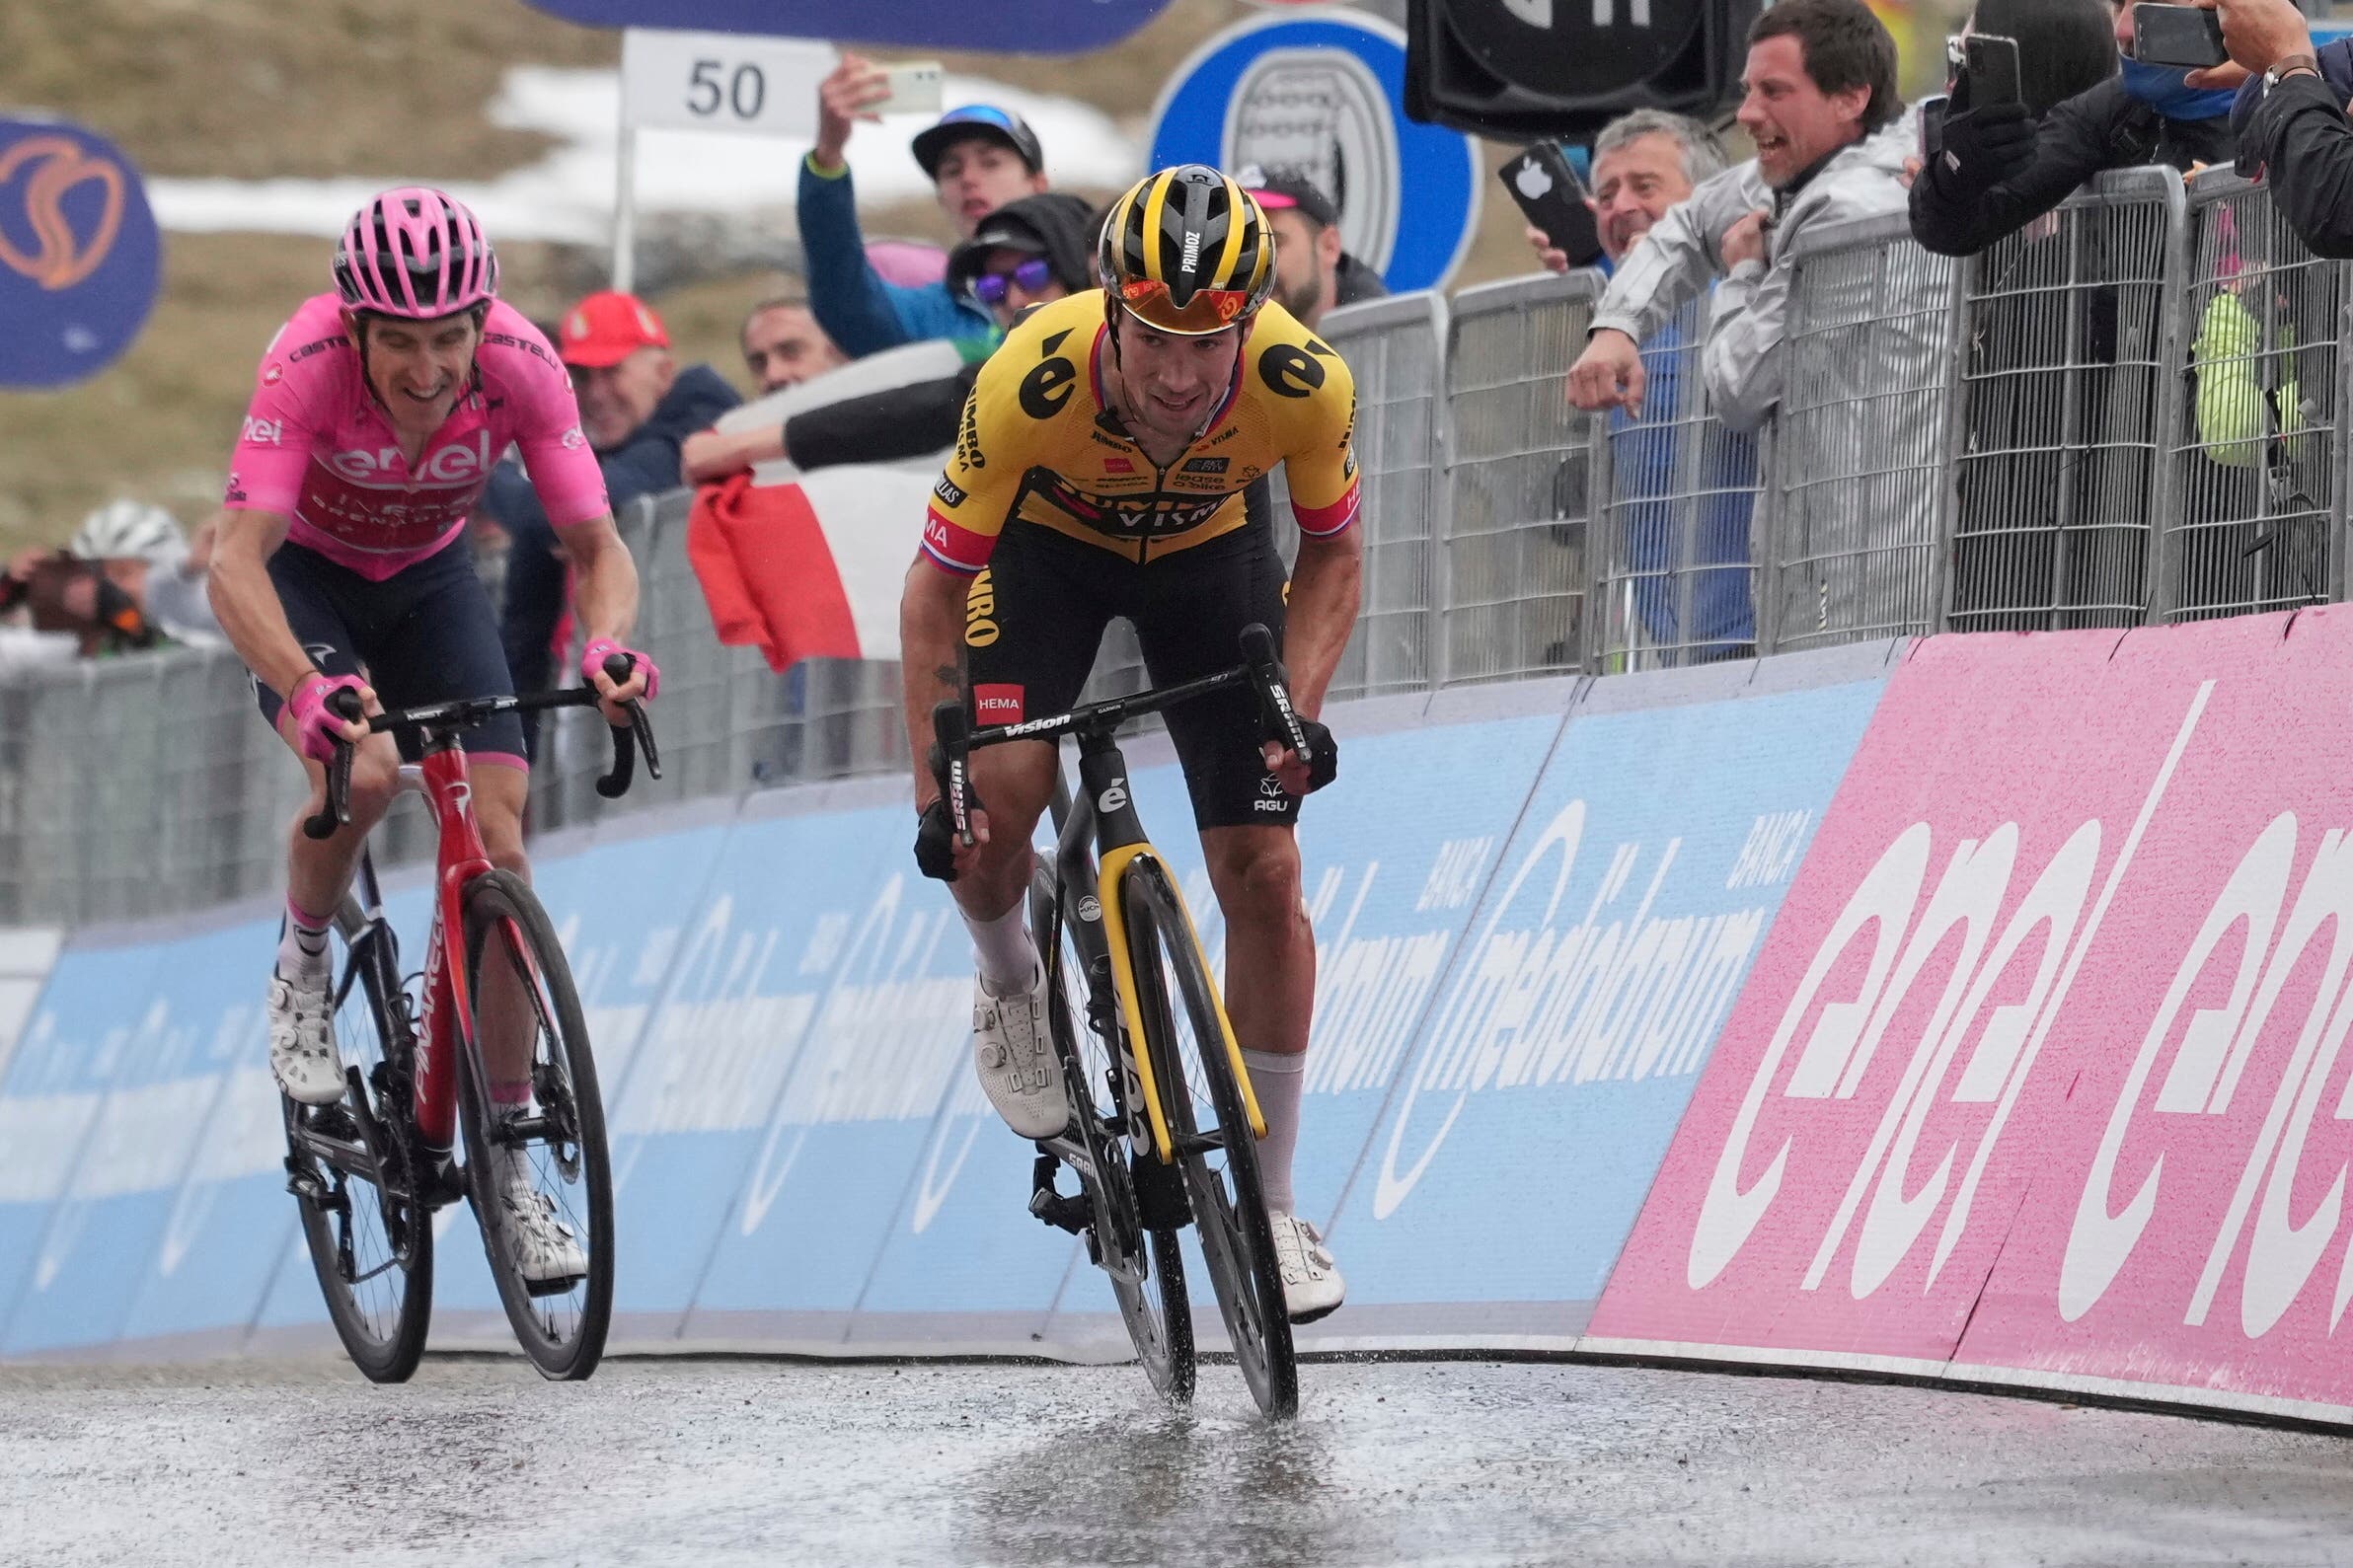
[319, 449]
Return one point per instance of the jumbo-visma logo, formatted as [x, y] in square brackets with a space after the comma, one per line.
[79, 254]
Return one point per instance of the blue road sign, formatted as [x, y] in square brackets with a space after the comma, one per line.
[79, 253]
[1325, 96]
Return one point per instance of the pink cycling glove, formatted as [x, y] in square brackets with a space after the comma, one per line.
[592, 663]
[316, 727]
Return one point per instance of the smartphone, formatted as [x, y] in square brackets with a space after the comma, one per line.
[1990, 62]
[1931, 126]
[915, 89]
[1544, 185]
[2170, 34]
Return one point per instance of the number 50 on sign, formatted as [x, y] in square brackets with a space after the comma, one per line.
[722, 81]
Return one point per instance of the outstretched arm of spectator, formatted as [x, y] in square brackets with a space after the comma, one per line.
[712, 455]
[1962, 203]
[883, 426]
[2306, 144]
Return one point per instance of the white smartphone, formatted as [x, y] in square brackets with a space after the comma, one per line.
[915, 89]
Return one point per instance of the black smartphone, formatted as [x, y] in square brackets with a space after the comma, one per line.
[2165, 34]
[1931, 126]
[1990, 62]
[1546, 185]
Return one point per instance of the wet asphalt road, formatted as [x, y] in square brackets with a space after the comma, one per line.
[711, 1462]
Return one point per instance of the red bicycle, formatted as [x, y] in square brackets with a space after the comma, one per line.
[369, 1171]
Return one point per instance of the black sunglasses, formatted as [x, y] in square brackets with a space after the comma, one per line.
[990, 289]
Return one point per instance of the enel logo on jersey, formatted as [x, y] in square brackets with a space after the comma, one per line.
[458, 463]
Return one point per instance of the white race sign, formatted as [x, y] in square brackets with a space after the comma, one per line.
[722, 81]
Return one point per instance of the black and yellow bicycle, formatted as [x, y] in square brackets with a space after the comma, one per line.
[1165, 1125]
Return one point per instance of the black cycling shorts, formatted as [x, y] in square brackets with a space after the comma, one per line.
[1034, 619]
[427, 633]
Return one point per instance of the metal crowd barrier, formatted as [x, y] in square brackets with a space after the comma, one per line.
[2128, 413]
[2065, 394]
[1519, 484]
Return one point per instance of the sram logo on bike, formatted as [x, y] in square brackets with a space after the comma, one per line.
[2039, 1076]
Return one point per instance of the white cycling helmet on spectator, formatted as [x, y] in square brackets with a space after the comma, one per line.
[128, 530]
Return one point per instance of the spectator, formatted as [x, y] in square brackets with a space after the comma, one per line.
[2000, 165]
[2293, 118]
[636, 408]
[1311, 274]
[783, 345]
[1673, 475]
[1821, 82]
[978, 158]
[1030, 252]
[142, 550]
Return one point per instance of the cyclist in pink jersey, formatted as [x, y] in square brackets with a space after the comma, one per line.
[379, 412]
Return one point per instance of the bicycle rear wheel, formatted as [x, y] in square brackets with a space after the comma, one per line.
[518, 980]
[1145, 1265]
[351, 1168]
[1210, 1128]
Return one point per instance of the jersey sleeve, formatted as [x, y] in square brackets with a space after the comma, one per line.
[1319, 448]
[274, 446]
[547, 427]
[982, 483]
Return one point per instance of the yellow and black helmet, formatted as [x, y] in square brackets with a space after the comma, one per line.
[1187, 251]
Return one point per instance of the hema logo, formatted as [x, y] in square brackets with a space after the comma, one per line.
[1624, 997]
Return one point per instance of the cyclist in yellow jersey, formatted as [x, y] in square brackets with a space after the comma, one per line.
[1113, 461]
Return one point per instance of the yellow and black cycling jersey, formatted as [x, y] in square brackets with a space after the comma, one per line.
[1038, 443]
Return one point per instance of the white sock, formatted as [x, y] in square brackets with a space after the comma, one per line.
[1008, 957]
[1277, 1079]
[301, 945]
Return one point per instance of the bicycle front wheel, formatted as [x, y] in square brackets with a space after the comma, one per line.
[528, 1034]
[1142, 1262]
[351, 1168]
[1216, 1151]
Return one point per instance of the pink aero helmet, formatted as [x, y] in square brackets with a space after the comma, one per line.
[415, 253]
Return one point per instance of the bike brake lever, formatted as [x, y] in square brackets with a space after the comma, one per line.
[336, 813]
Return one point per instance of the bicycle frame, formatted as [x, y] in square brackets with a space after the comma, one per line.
[1106, 811]
[458, 860]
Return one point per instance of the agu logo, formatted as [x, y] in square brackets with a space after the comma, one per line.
[78, 252]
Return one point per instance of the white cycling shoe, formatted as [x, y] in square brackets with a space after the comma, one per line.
[302, 1039]
[545, 1248]
[1311, 1283]
[1014, 1057]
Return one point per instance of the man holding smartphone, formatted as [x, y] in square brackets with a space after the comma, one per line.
[2085, 103]
[979, 157]
[2292, 115]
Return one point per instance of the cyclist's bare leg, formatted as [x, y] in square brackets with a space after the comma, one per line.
[1271, 978]
[510, 1025]
[319, 870]
[1014, 781]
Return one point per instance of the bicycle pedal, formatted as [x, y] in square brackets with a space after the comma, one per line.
[1064, 1214]
[304, 1184]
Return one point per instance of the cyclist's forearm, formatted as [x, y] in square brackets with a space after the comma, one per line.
[931, 620]
[1325, 588]
[244, 601]
[605, 588]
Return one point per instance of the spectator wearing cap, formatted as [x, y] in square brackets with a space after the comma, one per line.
[978, 158]
[784, 347]
[1313, 274]
[1027, 253]
[636, 410]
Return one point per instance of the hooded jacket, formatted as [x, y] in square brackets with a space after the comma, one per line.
[860, 312]
[2298, 135]
[1059, 226]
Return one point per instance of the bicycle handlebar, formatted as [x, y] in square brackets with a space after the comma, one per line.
[627, 740]
[957, 739]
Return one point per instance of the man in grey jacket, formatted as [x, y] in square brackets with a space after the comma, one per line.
[1821, 82]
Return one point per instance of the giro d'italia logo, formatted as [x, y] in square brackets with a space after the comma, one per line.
[79, 253]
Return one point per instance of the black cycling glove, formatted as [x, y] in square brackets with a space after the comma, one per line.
[934, 842]
[1325, 764]
[1983, 147]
